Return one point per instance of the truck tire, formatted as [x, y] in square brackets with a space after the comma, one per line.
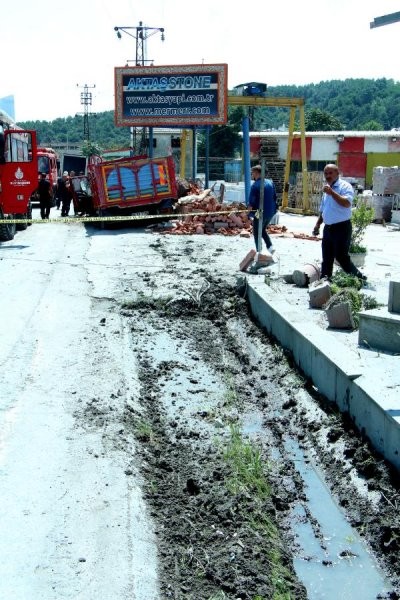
[27, 215]
[21, 226]
[7, 230]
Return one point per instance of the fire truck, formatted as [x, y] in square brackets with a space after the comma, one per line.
[46, 163]
[127, 186]
[18, 175]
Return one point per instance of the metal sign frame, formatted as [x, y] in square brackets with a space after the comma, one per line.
[174, 95]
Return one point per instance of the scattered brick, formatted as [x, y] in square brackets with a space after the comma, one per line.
[248, 259]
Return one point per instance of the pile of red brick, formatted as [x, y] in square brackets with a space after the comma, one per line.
[197, 217]
[197, 213]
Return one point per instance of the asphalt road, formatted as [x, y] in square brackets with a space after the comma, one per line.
[72, 520]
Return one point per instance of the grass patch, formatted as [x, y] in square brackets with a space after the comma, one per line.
[341, 280]
[144, 432]
[247, 467]
[249, 475]
[230, 397]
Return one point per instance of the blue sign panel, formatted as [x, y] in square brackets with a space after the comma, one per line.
[171, 95]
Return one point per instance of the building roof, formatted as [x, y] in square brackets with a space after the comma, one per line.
[329, 134]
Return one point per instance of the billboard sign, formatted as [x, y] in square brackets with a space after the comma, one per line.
[179, 95]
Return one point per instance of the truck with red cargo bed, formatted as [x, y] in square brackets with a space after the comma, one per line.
[128, 186]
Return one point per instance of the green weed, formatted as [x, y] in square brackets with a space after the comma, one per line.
[245, 461]
[144, 432]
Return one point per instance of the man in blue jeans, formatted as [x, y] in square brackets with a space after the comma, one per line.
[269, 206]
[335, 213]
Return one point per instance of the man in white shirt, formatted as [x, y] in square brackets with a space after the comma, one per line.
[335, 213]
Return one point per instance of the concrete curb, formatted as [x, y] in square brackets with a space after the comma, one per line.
[333, 369]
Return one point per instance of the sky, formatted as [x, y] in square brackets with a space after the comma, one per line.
[51, 48]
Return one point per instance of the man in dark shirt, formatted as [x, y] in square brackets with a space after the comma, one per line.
[65, 194]
[45, 196]
[269, 208]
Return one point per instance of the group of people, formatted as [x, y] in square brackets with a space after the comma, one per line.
[334, 213]
[62, 196]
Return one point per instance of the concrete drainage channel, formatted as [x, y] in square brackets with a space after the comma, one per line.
[305, 518]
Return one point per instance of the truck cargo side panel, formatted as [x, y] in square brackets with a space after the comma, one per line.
[135, 183]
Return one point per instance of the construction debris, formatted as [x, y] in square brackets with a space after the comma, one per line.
[197, 216]
[200, 212]
[319, 293]
[255, 262]
[304, 276]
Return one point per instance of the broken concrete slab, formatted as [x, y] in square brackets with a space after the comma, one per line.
[340, 317]
[380, 330]
[319, 293]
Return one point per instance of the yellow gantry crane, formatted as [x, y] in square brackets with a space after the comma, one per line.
[293, 104]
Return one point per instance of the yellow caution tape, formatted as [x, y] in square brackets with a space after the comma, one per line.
[176, 216]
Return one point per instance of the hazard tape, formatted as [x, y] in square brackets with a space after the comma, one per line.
[175, 216]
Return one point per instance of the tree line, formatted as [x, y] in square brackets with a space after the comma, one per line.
[351, 104]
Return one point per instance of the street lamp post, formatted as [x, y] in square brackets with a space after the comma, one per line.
[140, 33]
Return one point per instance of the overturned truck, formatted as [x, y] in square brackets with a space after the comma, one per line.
[129, 186]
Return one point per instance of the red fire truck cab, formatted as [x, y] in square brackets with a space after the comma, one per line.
[18, 176]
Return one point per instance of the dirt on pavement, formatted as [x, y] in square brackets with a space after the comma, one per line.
[218, 399]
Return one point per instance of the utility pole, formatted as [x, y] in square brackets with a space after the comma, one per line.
[86, 100]
[141, 34]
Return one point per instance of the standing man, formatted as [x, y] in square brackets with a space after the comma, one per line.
[45, 196]
[270, 206]
[335, 213]
[76, 188]
[65, 194]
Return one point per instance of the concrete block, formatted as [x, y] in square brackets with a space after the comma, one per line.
[380, 330]
[340, 317]
[248, 259]
[375, 418]
[319, 293]
[394, 297]
[395, 217]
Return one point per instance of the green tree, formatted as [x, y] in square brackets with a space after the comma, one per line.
[90, 149]
[320, 120]
[372, 126]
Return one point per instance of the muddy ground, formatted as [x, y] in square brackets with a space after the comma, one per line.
[218, 402]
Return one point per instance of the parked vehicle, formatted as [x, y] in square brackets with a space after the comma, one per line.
[72, 162]
[129, 186]
[18, 175]
[47, 163]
